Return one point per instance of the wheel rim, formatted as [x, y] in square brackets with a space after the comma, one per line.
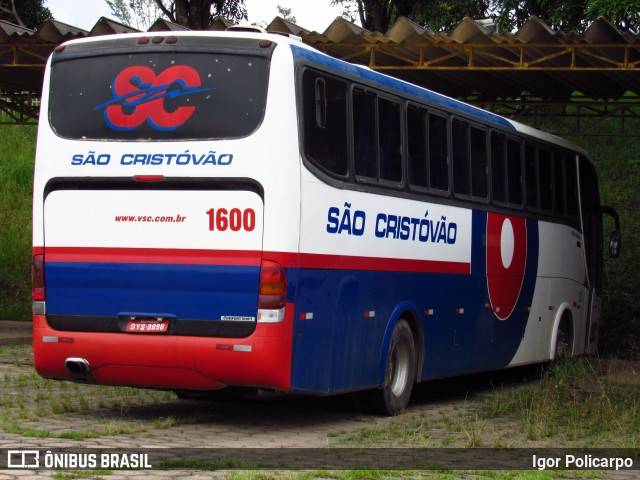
[562, 344]
[401, 368]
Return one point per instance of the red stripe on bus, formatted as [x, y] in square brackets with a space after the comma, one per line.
[344, 262]
[251, 258]
[152, 255]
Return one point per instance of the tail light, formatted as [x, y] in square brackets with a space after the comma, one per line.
[37, 277]
[273, 292]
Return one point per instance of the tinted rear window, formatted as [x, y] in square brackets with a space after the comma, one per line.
[158, 95]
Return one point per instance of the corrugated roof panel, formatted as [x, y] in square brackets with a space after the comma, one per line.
[535, 61]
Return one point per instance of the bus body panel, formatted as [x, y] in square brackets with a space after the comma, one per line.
[119, 253]
[450, 268]
[167, 361]
[102, 270]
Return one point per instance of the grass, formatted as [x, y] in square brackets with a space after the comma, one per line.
[17, 150]
[407, 475]
[35, 407]
[582, 402]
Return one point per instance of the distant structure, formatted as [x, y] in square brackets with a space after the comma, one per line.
[532, 74]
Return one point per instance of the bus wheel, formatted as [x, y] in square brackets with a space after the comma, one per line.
[563, 341]
[399, 375]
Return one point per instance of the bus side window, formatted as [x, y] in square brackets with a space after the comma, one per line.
[559, 183]
[479, 180]
[571, 177]
[531, 172]
[428, 150]
[498, 170]
[545, 177]
[389, 140]
[514, 172]
[364, 134]
[461, 157]
[417, 147]
[438, 153]
[324, 102]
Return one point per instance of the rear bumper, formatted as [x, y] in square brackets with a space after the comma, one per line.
[262, 359]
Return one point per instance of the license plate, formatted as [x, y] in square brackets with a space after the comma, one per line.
[147, 326]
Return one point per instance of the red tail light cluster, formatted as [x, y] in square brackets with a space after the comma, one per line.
[37, 276]
[273, 286]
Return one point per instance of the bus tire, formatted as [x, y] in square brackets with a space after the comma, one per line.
[563, 341]
[400, 372]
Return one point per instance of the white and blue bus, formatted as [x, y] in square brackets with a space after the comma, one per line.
[234, 209]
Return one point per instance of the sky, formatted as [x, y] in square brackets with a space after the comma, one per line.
[314, 15]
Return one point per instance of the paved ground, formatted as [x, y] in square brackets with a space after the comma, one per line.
[260, 423]
[13, 333]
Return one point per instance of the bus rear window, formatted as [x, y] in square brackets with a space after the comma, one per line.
[158, 95]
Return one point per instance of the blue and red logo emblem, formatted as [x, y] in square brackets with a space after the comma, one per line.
[139, 96]
[506, 261]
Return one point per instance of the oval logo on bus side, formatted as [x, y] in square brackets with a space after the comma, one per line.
[139, 95]
[506, 261]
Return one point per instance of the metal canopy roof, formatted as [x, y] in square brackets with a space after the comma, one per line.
[534, 64]
[474, 62]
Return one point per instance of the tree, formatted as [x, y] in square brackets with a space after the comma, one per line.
[285, 13]
[625, 14]
[436, 15]
[558, 14]
[374, 15]
[509, 15]
[378, 15]
[197, 14]
[567, 15]
[140, 14]
[28, 13]
[194, 14]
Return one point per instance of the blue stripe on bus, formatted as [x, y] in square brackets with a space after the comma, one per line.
[387, 81]
[186, 291]
[340, 348]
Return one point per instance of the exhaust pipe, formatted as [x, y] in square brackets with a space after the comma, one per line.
[78, 367]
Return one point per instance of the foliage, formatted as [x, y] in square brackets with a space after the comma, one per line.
[17, 150]
[625, 14]
[589, 403]
[375, 15]
[445, 15]
[140, 14]
[567, 15]
[197, 14]
[32, 12]
[509, 15]
[558, 14]
[285, 13]
[194, 14]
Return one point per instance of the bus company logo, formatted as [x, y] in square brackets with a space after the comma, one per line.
[506, 261]
[139, 94]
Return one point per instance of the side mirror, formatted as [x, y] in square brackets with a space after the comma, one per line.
[615, 244]
[616, 236]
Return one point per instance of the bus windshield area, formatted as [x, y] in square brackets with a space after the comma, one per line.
[158, 95]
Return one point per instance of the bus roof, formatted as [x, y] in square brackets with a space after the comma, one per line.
[303, 52]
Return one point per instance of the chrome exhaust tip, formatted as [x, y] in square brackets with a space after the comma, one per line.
[78, 367]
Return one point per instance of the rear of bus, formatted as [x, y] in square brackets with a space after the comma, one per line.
[157, 198]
